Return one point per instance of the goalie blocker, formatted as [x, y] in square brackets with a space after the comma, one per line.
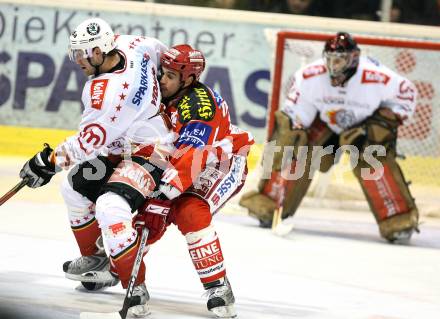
[388, 196]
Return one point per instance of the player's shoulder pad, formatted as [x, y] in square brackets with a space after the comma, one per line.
[373, 72]
[313, 70]
[197, 104]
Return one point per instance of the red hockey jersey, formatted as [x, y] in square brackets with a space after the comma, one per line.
[204, 135]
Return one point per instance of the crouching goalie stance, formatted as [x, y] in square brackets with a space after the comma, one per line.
[341, 100]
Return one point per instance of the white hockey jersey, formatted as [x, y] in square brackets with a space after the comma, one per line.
[120, 108]
[372, 86]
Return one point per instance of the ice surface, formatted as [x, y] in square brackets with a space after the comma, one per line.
[333, 265]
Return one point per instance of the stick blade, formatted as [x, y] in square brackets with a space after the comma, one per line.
[282, 229]
[99, 315]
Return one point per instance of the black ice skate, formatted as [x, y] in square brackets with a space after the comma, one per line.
[221, 298]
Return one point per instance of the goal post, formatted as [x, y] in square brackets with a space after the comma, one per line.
[419, 138]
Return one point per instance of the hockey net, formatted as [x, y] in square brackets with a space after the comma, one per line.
[419, 139]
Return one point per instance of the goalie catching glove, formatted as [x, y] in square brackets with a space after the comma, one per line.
[39, 170]
[380, 128]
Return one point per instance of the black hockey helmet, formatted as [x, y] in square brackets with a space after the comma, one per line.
[341, 54]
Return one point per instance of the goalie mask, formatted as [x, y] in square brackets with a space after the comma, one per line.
[88, 35]
[341, 55]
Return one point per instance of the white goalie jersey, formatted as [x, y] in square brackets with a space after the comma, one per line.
[372, 86]
[120, 108]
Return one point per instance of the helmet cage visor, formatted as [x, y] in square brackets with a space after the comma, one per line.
[78, 54]
[337, 62]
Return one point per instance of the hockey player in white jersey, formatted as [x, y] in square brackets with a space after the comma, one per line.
[343, 99]
[117, 155]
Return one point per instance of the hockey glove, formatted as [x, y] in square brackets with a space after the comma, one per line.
[153, 215]
[168, 191]
[378, 129]
[39, 170]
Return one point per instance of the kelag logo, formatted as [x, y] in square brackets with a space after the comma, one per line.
[194, 134]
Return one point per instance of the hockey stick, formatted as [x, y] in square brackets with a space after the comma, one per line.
[122, 314]
[278, 227]
[14, 190]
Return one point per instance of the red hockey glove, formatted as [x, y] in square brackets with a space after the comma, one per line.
[153, 215]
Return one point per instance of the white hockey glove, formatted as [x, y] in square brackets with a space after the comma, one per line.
[169, 191]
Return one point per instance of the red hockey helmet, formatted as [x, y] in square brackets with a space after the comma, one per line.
[185, 60]
[341, 54]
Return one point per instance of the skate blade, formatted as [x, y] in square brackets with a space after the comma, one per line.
[140, 311]
[224, 312]
[100, 315]
[91, 276]
[133, 312]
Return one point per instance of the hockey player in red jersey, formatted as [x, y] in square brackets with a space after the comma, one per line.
[116, 155]
[207, 168]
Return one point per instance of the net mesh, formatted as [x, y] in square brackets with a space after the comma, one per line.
[419, 138]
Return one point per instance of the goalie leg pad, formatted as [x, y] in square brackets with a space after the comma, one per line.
[389, 198]
[399, 227]
[284, 136]
[296, 189]
[260, 206]
[81, 213]
[278, 191]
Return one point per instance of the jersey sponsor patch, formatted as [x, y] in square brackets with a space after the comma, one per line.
[142, 82]
[207, 181]
[198, 104]
[117, 228]
[92, 137]
[370, 76]
[232, 179]
[97, 93]
[134, 175]
[194, 134]
[313, 71]
[342, 118]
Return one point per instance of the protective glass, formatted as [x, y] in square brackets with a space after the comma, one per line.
[337, 62]
[77, 54]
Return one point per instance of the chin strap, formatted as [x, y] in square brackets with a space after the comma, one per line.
[178, 94]
[96, 66]
[340, 80]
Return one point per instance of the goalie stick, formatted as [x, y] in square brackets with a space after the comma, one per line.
[13, 191]
[122, 314]
[280, 228]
